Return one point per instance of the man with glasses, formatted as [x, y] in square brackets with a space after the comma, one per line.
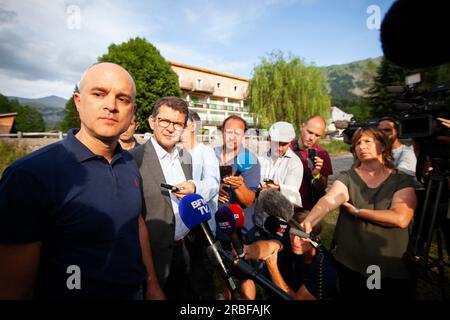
[404, 156]
[160, 161]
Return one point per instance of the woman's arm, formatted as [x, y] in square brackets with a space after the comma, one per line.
[399, 215]
[337, 195]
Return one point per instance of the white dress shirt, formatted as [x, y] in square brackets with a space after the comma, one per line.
[287, 171]
[405, 159]
[173, 174]
[206, 177]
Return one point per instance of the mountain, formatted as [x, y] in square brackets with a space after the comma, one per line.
[51, 107]
[349, 80]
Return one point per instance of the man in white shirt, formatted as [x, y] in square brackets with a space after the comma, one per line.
[205, 165]
[206, 177]
[404, 156]
[281, 168]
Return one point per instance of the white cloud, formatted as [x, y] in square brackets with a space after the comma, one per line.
[38, 43]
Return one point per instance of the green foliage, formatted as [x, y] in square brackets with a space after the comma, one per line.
[151, 72]
[28, 118]
[71, 117]
[348, 81]
[8, 154]
[358, 106]
[335, 147]
[285, 89]
[5, 105]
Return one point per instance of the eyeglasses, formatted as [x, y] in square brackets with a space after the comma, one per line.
[385, 129]
[236, 133]
[164, 123]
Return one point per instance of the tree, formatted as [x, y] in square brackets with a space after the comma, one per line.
[379, 99]
[71, 117]
[5, 105]
[29, 120]
[287, 90]
[151, 72]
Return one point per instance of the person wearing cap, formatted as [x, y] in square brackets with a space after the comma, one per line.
[281, 168]
[404, 156]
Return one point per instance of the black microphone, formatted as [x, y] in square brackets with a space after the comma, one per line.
[280, 229]
[413, 33]
[195, 213]
[226, 222]
[254, 274]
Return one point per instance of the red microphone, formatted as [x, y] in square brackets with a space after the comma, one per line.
[238, 215]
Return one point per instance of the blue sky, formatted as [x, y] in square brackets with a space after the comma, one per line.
[45, 46]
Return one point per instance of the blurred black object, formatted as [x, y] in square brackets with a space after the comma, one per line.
[414, 33]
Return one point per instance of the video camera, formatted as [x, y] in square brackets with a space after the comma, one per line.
[418, 108]
[415, 112]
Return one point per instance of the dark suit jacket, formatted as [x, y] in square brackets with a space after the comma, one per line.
[159, 216]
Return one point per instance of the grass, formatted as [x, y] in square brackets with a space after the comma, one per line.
[335, 148]
[9, 152]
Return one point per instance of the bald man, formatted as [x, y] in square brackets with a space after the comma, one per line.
[70, 213]
[316, 162]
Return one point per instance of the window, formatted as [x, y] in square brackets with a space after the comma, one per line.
[199, 82]
[218, 85]
[235, 88]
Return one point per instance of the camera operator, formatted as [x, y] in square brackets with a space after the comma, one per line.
[377, 205]
[296, 266]
[404, 157]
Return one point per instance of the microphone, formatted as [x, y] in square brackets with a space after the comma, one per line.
[226, 222]
[238, 215]
[271, 202]
[254, 274]
[280, 229]
[195, 212]
[244, 162]
[412, 33]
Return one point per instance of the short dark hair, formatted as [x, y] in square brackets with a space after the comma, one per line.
[388, 159]
[392, 119]
[235, 117]
[193, 116]
[175, 103]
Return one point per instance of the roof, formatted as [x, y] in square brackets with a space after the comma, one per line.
[185, 66]
[8, 114]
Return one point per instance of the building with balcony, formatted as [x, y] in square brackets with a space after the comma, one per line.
[213, 95]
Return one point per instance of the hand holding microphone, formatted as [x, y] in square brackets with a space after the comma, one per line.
[280, 229]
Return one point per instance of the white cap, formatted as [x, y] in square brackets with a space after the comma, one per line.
[282, 132]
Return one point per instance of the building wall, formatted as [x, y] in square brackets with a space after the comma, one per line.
[213, 95]
[6, 123]
[212, 84]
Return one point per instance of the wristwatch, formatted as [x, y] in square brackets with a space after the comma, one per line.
[357, 212]
[315, 178]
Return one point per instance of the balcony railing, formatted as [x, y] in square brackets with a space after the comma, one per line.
[196, 86]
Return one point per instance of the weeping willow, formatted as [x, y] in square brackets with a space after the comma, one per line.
[287, 89]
